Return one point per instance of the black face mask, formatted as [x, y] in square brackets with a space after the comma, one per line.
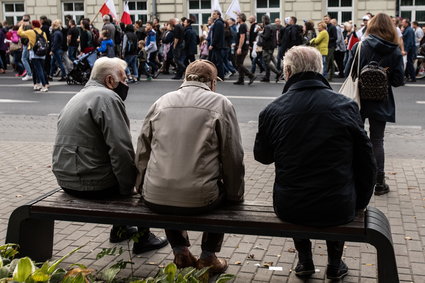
[121, 90]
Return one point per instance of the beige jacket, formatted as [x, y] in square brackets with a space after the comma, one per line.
[190, 141]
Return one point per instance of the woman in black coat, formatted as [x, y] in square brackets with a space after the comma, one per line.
[381, 45]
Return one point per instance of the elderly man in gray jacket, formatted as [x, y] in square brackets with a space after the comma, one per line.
[93, 156]
[190, 159]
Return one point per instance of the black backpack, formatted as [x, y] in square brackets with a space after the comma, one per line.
[373, 82]
[117, 37]
[131, 47]
[40, 47]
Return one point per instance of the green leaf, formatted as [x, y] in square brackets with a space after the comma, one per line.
[75, 279]
[23, 270]
[57, 276]
[82, 266]
[224, 278]
[1, 262]
[55, 264]
[4, 272]
[40, 276]
[109, 274]
[170, 270]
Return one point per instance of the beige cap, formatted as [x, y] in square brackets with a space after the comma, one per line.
[201, 70]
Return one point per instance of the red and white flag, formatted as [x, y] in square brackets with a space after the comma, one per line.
[108, 8]
[125, 18]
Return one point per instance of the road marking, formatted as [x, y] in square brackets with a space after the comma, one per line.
[420, 102]
[63, 92]
[53, 114]
[252, 97]
[31, 85]
[16, 101]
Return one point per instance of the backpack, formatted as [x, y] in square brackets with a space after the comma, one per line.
[373, 82]
[95, 36]
[40, 47]
[117, 37]
[131, 47]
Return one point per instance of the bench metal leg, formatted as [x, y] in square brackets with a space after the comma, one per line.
[34, 236]
[379, 235]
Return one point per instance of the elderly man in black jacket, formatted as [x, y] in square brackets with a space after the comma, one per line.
[325, 168]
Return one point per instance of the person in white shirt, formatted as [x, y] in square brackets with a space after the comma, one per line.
[419, 33]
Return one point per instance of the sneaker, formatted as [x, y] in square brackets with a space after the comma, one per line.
[149, 78]
[149, 243]
[227, 75]
[37, 87]
[49, 78]
[121, 233]
[23, 73]
[381, 189]
[44, 89]
[27, 78]
[252, 79]
[337, 273]
[217, 265]
[304, 269]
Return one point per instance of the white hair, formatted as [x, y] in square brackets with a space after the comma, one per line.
[105, 66]
[300, 59]
[106, 18]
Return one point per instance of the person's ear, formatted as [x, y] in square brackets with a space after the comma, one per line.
[110, 82]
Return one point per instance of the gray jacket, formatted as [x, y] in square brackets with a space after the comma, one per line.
[93, 149]
[190, 141]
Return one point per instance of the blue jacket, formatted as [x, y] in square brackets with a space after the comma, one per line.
[409, 39]
[388, 55]
[104, 45]
[217, 34]
[325, 167]
[56, 40]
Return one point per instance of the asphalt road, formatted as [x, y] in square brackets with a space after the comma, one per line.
[18, 98]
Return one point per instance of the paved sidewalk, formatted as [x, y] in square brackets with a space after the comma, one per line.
[25, 173]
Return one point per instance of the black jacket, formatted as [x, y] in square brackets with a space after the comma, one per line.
[56, 40]
[388, 55]
[269, 37]
[333, 35]
[291, 36]
[190, 38]
[217, 30]
[252, 34]
[325, 167]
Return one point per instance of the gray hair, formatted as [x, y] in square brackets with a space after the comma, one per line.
[300, 59]
[106, 18]
[105, 66]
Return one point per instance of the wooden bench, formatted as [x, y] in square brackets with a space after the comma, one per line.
[32, 225]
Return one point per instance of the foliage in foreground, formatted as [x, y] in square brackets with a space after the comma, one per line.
[27, 271]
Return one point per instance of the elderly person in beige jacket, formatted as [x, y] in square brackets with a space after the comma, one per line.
[190, 159]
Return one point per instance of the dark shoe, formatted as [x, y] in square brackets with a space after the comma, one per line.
[239, 83]
[50, 78]
[218, 265]
[381, 188]
[149, 243]
[184, 259]
[176, 78]
[265, 80]
[121, 233]
[252, 79]
[278, 75]
[304, 269]
[63, 79]
[336, 273]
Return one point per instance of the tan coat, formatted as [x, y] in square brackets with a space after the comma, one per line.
[190, 141]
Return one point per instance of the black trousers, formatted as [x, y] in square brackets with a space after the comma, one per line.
[211, 242]
[335, 250]
[242, 70]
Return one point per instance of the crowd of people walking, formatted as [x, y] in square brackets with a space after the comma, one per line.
[151, 49]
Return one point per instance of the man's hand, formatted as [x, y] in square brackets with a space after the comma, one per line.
[404, 53]
[210, 48]
[239, 51]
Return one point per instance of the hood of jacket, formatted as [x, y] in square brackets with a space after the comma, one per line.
[380, 45]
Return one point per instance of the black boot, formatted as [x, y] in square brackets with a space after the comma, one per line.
[381, 188]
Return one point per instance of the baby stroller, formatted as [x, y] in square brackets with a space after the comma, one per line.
[80, 73]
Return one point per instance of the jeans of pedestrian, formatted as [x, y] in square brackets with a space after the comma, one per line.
[335, 250]
[39, 71]
[242, 70]
[330, 63]
[1, 64]
[72, 53]
[279, 58]
[179, 57]
[228, 67]
[17, 54]
[339, 59]
[410, 70]
[376, 134]
[3, 58]
[132, 64]
[211, 242]
[217, 59]
[259, 60]
[268, 55]
[25, 60]
[325, 68]
[57, 60]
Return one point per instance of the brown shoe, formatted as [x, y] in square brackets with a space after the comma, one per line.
[218, 265]
[184, 259]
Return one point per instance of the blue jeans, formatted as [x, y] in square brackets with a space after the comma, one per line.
[228, 67]
[325, 66]
[17, 54]
[39, 71]
[132, 63]
[57, 58]
[217, 59]
[1, 64]
[72, 53]
[25, 60]
[257, 61]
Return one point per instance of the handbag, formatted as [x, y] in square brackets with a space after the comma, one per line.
[350, 88]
